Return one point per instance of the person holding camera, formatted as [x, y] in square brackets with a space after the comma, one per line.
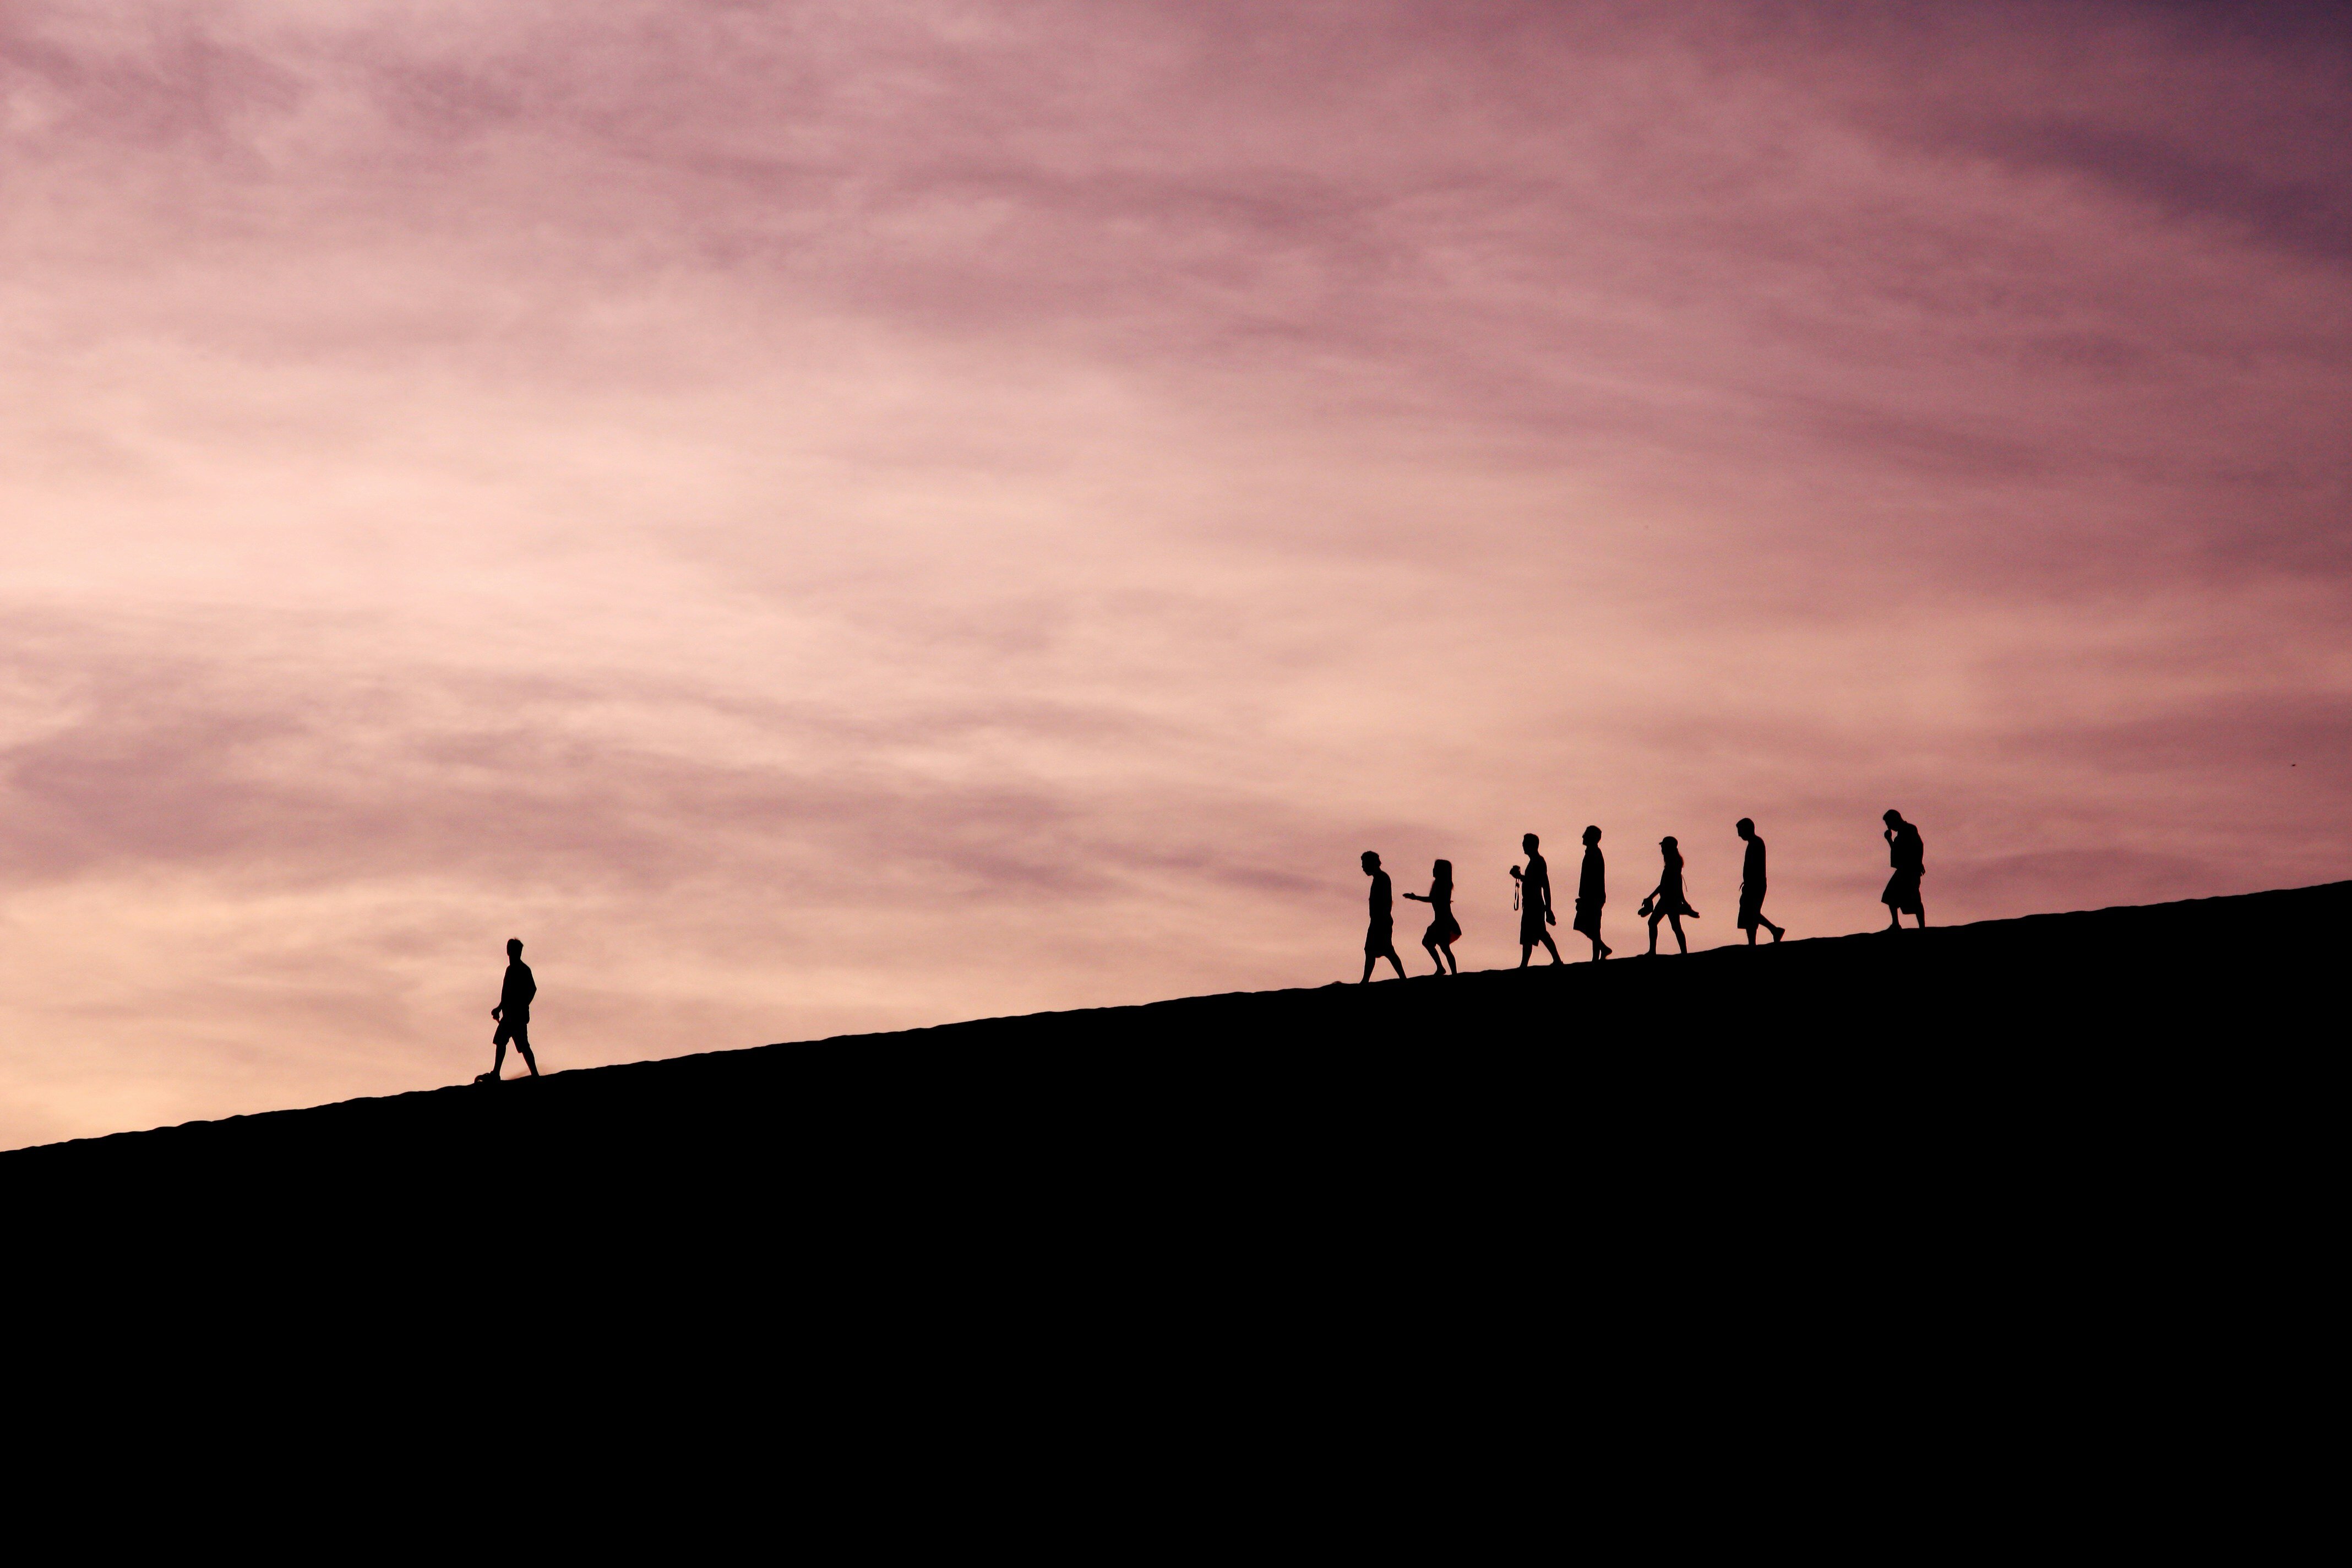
[1535, 904]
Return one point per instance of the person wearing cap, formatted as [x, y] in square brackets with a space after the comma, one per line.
[1665, 901]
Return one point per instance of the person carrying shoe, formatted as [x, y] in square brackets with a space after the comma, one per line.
[513, 1014]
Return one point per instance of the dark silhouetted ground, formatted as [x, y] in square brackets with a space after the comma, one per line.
[2067, 1036]
[1821, 1204]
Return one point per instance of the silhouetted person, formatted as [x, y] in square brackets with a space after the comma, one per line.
[1751, 885]
[1440, 937]
[1380, 938]
[1535, 904]
[1591, 892]
[1909, 858]
[1665, 901]
[513, 1013]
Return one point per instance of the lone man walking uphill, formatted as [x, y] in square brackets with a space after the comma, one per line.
[513, 1014]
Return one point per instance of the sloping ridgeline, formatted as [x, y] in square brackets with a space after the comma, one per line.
[1897, 1187]
[1959, 1047]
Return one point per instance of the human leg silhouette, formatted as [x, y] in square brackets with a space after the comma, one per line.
[520, 1035]
[1674, 919]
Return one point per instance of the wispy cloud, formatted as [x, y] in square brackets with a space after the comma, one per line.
[825, 518]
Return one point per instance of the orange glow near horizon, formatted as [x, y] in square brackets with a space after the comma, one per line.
[824, 522]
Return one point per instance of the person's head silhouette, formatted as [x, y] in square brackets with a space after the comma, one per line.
[1892, 818]
[1592, 836]
[1372, 862]
[1745, 828]
[514, 948]
[1443, 871]
[1529, 843]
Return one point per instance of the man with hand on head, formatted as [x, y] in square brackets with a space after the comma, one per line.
[1908, 856]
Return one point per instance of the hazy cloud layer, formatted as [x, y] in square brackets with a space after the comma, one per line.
[824, 518]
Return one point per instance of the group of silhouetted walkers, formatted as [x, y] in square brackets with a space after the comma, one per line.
[1531, 896]
[1667, 902]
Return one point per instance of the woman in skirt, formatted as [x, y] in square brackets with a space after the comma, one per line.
[1440, 937]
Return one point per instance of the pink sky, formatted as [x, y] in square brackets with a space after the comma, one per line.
[833, 517]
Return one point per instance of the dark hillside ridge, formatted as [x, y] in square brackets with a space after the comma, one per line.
[1980, 1179]
[2095, 1019]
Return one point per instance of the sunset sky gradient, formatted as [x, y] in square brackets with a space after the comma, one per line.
[826, 518]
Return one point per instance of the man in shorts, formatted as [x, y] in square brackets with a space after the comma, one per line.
[513, 1013]
[1751, 885]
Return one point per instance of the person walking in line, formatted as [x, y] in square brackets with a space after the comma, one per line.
[1665, 901]
[1591, 892]
[1379, 938]
[513, 1014]
[1909, 856]
[1440, 937]
[1751, 885]
[1535, 904]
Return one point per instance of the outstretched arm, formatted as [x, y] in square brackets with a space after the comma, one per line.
[1418, 898]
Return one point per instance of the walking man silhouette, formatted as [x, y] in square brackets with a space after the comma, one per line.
[1665, 901]
[1751, 885]
[1379, 938]
[1443, 931]
[1591, 892]
[1909, 856]
[1535, 904]
[513, 1013]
